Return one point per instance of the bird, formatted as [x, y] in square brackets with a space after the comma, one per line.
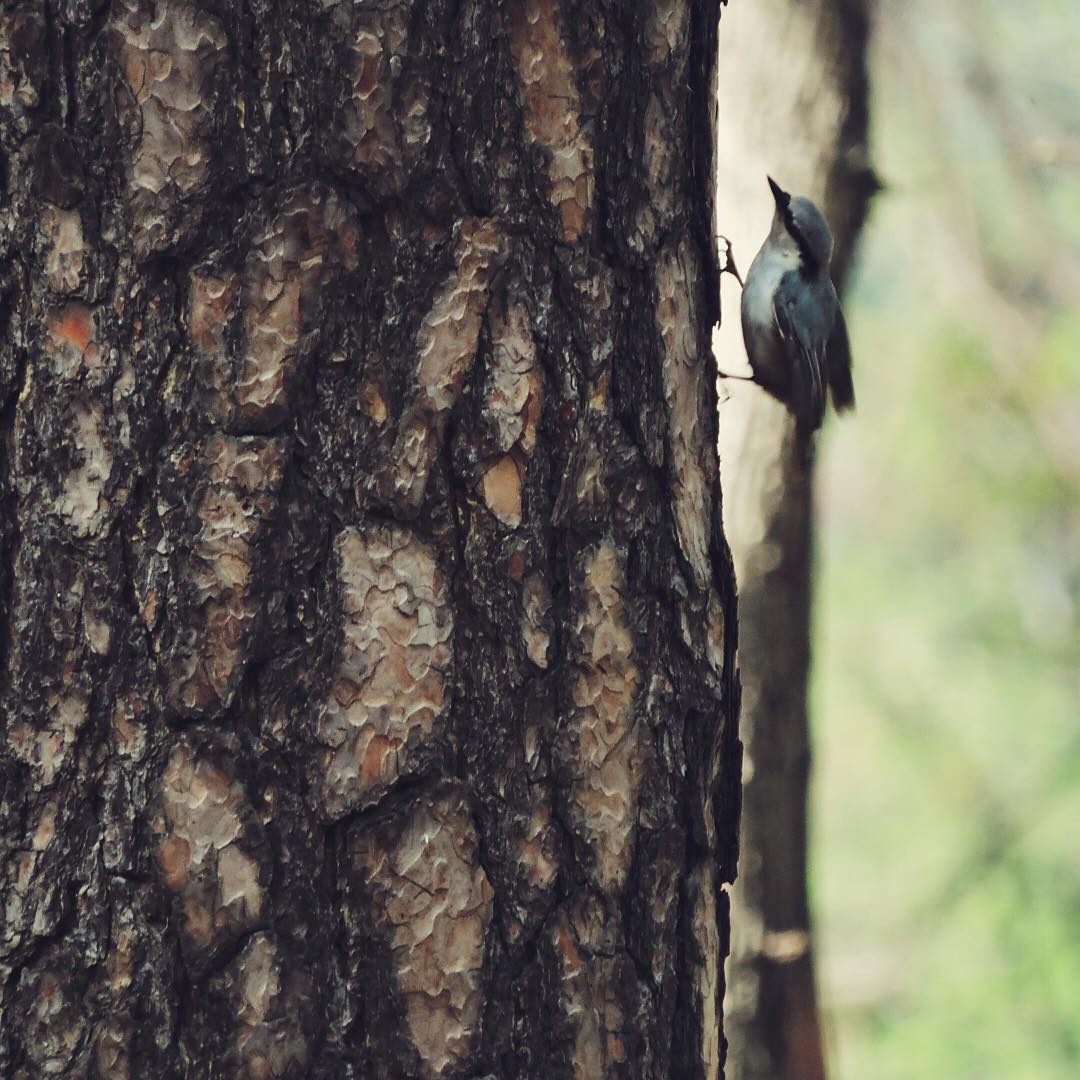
[795, 335]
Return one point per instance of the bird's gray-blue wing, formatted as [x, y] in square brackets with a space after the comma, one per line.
[804, 320]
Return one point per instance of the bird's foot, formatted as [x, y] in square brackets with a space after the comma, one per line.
[729, 266]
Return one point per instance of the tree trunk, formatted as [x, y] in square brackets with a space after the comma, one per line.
[800, 115]
[366, 619]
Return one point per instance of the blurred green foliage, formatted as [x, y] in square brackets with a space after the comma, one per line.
[946, 699]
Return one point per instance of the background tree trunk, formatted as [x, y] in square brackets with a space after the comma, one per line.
[800, 115]
[366, 616]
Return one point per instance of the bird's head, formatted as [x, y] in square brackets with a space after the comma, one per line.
[800, 223]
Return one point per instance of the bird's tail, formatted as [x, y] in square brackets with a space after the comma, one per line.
[839, 365]
[843, 390]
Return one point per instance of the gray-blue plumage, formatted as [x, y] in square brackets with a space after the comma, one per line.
[795, 335]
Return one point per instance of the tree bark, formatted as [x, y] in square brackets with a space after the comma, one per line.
[800, 115]
[366, 619]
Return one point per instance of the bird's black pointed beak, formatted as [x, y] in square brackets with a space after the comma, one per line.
[778, 193]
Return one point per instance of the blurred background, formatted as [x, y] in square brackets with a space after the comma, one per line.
[945, 690]
[943, 929]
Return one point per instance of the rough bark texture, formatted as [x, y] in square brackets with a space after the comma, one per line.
[800, 115]
[366, 619]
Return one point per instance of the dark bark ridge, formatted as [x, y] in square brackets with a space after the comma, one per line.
[365, 613]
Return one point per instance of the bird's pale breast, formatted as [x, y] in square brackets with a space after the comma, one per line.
[763, 346]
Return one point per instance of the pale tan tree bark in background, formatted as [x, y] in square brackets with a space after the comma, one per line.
[366, 620]
[792, 105]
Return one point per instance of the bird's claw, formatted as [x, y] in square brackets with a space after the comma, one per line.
[729, 266]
